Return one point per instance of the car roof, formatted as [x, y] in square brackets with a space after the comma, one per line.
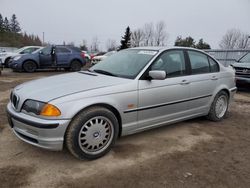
[162, 48]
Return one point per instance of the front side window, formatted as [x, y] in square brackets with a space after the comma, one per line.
[199, 62]
[46, 50]
[172, 62]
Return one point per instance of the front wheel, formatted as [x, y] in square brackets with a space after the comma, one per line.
[219, 107]
[29, 66]
[92, 133]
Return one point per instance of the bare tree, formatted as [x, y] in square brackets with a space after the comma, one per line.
[111, 45]
[95, 44]
[160, 34]
[234, 39]
[148, 34]
[243, 41]
[137, 37]
[84, 45]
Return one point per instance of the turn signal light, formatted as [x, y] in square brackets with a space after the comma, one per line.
[50, 110]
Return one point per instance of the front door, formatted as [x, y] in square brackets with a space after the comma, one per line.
[45, 57]
[164, 100]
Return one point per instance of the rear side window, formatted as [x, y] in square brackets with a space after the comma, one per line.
[214, 67]
[62, 50]
[172, 62]
[199, 62]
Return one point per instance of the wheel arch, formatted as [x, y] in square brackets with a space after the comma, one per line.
[30, 60]
[107, 106]
[75, 59]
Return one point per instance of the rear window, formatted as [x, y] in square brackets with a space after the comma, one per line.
[214, 67]
[199, 62]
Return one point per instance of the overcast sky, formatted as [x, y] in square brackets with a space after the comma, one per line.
[74, 20]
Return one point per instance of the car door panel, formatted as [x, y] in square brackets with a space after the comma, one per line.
[161, 100]
[164, 100]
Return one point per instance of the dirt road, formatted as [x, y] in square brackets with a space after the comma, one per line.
[195, 153]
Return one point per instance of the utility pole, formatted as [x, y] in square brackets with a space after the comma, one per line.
[43, 38]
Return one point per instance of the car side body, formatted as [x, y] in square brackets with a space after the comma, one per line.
[6, 56]
[42, 59]
[140, 103]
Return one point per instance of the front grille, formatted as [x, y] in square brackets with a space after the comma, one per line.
[14, 100]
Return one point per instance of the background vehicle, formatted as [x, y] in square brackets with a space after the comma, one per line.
[131, 91]
[100, 57]
[86, 56]
[5, 56]
[67, 57]
[242, 68]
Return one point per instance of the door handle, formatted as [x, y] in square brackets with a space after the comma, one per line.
[184, 82]
[214, 78]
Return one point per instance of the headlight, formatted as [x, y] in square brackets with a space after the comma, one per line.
[40, 108]
[17, 57]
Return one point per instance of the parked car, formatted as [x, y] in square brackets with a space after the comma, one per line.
[6, 56]
[101, 57]
[131, 91]
[242, 68]
[86, 56]
[68, 57]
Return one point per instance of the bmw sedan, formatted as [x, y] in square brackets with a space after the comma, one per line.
[131, 91]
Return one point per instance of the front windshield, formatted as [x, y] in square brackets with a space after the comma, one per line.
[126, 63]
[246, 59]
[20, 49]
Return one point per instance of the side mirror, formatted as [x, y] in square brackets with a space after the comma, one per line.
[157, 74]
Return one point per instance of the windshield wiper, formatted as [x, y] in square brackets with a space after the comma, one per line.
[104, 72]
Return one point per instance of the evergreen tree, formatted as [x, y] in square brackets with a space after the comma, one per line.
[1, 23]
[202, 45]
[6, 25]
[187, 42]
[126, 39]
[14, 24]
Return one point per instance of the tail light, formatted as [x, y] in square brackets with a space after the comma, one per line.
[83, 55]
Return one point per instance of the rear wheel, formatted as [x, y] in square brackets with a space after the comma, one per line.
[219, 107]
[75, 66]
[29, 66]
[92, 133]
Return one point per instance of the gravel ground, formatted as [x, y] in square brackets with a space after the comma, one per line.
[194, 153]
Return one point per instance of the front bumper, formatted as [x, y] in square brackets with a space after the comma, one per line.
[242, 80]
[44, 133]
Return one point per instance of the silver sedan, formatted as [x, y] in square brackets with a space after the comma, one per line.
[131, 91]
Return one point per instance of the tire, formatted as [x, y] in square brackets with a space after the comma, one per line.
[6, 62]
[75, 66]
[92, 133]
[29, 66]
[219, 107]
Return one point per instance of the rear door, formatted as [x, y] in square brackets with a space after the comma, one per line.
[62, 56]
[163, 100]
[204, 80]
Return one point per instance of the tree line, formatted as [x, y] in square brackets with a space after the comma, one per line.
[11, 35]
[156, 35]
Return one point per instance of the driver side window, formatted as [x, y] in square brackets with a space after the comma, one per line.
[46, 51]
[172, 62]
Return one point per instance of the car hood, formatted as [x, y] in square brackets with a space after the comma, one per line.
[241, 65]
[47, 89]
